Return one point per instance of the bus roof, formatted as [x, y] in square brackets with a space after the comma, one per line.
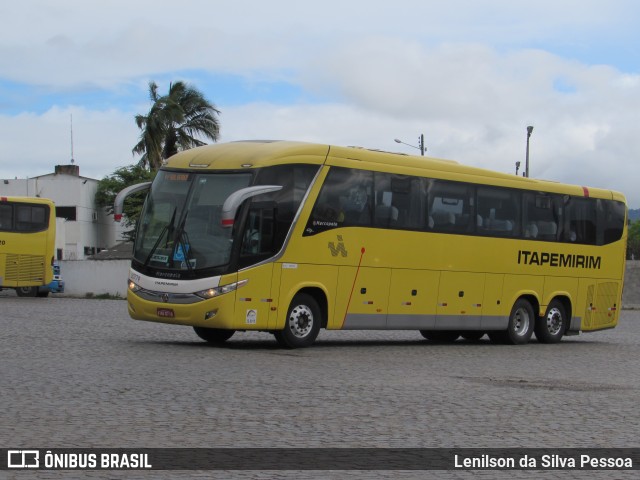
[260, 153]
[43, 201]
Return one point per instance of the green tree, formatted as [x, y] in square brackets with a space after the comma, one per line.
[175, 122]
[109, 187]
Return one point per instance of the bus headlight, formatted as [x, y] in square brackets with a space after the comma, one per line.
[133, 286]
[215, 291]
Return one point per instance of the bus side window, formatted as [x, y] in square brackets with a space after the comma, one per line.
[542, 215]
[499, 212]
[344, 200]
[6, 217]
[451, 207]
[259, 234]
[611, 221]
[580, 221]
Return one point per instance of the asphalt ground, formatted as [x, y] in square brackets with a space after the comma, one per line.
[78, 373]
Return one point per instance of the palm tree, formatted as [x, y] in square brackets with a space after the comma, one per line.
[174, 123]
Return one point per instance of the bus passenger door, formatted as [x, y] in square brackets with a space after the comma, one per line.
[460, 301]
[362, 297]
[254, 299]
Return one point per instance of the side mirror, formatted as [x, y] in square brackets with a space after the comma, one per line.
[233, 202]
[118, 203]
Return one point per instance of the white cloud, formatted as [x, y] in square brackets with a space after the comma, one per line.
[469, 75]
[33, 144]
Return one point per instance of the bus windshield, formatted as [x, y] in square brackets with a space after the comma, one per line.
[180, 227]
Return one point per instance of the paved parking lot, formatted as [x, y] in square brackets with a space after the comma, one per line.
[80, 373]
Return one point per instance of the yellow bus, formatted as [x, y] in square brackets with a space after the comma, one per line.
[290, 238]
[27, 244]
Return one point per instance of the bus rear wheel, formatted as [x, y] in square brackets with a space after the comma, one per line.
[216, 336]
[440, 336]
[302, 324]
[27, 291]
[550, 328]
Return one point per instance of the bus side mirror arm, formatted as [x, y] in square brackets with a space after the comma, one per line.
[118, 203]
[233, 201]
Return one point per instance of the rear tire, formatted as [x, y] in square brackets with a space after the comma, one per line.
[440, 336]
[551, 327]
[215, 336]
[27, 291]
[302, 324]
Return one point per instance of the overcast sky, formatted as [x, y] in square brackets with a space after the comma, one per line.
[468, 74]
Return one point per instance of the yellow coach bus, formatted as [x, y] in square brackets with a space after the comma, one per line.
[291, 237]
[27, 244]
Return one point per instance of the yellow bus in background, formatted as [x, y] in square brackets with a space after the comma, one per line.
[27, 244]
[291, 237]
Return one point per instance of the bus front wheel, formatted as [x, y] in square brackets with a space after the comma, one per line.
[215, 336]
[550, 328]
[27, 291]
[302, 324]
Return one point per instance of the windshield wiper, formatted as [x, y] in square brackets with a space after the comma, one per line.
[164, 230]
[182, 242]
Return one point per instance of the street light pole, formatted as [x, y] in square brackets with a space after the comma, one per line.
[526, 168]
[420, 146]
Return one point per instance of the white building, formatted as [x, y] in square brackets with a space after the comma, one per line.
[82, 229]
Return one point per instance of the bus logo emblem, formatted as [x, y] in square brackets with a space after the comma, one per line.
[337, 249]
[165, 297]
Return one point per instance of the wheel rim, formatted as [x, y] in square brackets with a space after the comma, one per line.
[522, 321]
[301, 321]
[554, 321]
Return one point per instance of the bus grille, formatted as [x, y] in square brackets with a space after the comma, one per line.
[25, 268]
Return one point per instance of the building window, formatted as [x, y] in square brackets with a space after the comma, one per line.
[68, 213]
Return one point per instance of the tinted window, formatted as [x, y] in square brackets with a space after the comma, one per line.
[498, 212]
[451, 207]
[31, 218]
[541, 216]
[613, 218]
[580, 220]
[271, 214]
[345, 200]
[400, 202]
[6, 217]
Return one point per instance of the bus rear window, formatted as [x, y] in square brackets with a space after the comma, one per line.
[23, 218]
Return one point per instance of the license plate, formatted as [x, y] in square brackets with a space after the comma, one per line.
[166, 313]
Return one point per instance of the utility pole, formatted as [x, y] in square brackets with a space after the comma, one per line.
[526, 170]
